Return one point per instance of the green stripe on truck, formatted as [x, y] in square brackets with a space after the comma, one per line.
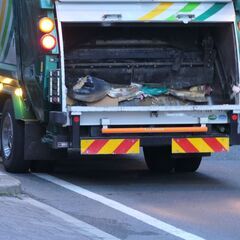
[188, 8]
[210, 12]
[6, 25]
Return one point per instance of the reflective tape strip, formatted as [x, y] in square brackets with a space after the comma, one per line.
[110, 146]
[168, 11]
[211, 11]
[162, 7]
[6, 28]
[85, 145]
[200, 145]
[135, 148]
[176, 148]
[186, 9]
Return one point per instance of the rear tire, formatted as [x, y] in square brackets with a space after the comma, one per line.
[12, 141]
[159, 159]
[187, 164]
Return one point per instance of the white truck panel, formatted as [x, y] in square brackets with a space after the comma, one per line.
[138, 11]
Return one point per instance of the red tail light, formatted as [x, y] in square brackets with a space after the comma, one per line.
[48, 42]
[234, 117]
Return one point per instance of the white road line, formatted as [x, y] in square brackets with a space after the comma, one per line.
[163, 226]
[83, 228]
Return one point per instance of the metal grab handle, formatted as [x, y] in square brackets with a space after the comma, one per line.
[185, 17]
[112, 17]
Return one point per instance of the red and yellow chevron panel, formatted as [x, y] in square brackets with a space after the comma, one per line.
[110, 146]
[200, 145]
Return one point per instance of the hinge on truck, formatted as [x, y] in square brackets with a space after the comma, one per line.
[185, 18]
[105, 122]
[54, 86]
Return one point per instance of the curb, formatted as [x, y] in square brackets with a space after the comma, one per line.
[9, 185]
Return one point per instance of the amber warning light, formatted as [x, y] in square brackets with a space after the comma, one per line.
[46, 25]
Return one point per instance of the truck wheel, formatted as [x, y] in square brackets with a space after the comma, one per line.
[187, 164]
[159, 159]
[12, 141]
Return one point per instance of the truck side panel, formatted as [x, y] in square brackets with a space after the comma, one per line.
[8, 58]
[35, 63]
[9, 73]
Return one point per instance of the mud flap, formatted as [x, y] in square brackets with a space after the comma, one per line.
[34, 149]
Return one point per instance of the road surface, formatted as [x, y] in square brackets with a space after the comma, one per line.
[118, 198]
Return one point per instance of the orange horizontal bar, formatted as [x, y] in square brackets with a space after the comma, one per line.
[154, 130]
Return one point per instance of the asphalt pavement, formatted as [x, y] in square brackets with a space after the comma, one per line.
[118, 198]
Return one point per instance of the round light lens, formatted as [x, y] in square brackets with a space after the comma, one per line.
[48, 42]
[19, 92]
[7, 80]
[76, 119]
[46, 25]
[234, 117]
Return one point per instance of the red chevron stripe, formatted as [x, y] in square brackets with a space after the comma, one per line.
[96, 146]
[186, 145]
[125, 146]
[215, 144]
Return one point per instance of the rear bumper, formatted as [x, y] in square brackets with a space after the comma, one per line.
[78, 133]
[125, 144]
[132, 146]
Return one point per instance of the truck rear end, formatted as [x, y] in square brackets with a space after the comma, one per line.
[172, 47]
[121, 75]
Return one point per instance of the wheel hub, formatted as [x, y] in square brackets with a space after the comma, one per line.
[7, 135]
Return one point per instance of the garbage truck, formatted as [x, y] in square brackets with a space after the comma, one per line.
[115, 76]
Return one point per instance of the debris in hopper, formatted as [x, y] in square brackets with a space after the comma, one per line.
[154, 91]
[163, 100]
[126, 93]
[195, 94]
[236, 91]
[202, 88]
[71, 102]
[89, 89]
[188, 95]
[105, 102]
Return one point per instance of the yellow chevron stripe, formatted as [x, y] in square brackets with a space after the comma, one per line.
[200, 145]
[2, 14]
[110, 146]
[135, 149]
[224, 142]
[162, 7]
[85, 145]
[176, 148]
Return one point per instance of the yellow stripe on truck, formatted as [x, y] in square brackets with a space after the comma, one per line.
[86, 144]
[135, 149]
[224, 142]
[176, 147]
[110, 146]
[200, 145]
[162, 7]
